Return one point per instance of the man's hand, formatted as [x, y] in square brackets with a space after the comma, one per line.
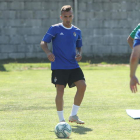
[78, 57]
[51, 56]
[133, 84]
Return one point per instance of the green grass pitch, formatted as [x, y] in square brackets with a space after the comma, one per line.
[28, 112]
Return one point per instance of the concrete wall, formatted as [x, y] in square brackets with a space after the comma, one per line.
[105, 25]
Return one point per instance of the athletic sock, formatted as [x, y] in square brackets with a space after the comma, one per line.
[74, 110]
[60, 115]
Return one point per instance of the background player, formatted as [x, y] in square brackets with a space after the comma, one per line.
[130, 38]
[66, 39]
[134, 60]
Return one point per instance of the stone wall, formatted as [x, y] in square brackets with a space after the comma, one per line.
[105, 25]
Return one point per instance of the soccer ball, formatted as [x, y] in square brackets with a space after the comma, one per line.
[63, 130]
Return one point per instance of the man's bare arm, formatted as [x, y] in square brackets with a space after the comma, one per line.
[130, 41]
[50, 55]
[78, 56]
[134, 59]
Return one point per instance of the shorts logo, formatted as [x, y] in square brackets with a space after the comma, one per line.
[55, 79]
[74, 34]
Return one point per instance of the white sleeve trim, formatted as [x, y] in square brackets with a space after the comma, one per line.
[50, 34]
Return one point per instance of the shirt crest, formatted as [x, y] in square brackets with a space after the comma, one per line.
[74, 34]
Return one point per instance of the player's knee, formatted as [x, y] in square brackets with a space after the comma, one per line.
[59, 95]
[134, 58]
[82, 86]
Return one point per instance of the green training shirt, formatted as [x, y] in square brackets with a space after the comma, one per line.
[134, 31]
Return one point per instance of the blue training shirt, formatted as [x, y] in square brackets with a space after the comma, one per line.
[137, 38]
[64, 42]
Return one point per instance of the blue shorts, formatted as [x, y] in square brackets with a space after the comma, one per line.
[136, 42]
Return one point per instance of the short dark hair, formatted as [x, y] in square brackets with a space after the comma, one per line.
[66, 8]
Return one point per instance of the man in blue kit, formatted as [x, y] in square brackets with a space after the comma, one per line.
[134, 60]
[67, 42]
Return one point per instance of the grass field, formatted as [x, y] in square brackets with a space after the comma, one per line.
[27, 106]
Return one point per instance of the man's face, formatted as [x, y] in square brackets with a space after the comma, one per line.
[67, 18]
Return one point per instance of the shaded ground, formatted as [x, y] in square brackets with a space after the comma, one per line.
[96, 59]
[107, 59]
[91, 60]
